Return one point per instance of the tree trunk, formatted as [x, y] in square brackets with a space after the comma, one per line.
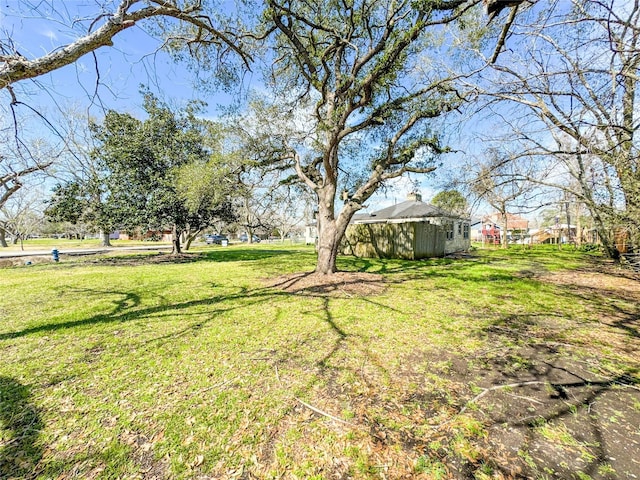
[579, 232]
[504, 233]
[602, 222]
[175, 240]
[607, 241]
[631, 216]
[568, 213]
[3, 239]
[327, 248]
[330, 232]
[104, 236]
[191, 236]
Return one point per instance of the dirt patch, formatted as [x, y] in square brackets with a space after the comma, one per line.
[604, 278]
[549, 414]
[146, 259]
[24, 261]
[112, 258]
[350, 284]
[150, 467]
[614, 294]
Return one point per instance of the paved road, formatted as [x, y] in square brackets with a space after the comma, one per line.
[77, 251]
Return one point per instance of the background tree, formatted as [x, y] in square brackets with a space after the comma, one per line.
[572, 75]
[79, 197]
[287, 210]
[67, 203]
[494, 181]
[207, 188]
[253, 202]
[358, 66]
[21, 164]
[81, 204]
[149, 163]
[22, 216]
[259, 182]
[451, 201]
[12, 178]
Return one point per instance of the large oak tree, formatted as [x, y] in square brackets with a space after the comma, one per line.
[359, 65]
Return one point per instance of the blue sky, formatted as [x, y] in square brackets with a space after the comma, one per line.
[133, 60]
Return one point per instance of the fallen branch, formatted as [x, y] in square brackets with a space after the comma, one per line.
[345, 292]
[622, 384]
[312, 408]
[328, 415]
[527, 398]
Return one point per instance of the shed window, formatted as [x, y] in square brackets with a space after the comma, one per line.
[466, 231]
[459, 228]
[449, 231]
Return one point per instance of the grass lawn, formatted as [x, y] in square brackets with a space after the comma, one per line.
[517, 364]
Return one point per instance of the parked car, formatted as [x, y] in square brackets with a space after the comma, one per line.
[215, 239]
[245, 238]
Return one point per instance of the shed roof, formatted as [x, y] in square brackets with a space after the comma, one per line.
[410, 209]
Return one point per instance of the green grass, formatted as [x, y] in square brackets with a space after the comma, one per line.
[123, 366]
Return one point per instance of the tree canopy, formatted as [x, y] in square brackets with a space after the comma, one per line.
[185, 24]
[451, 201]
[566, 97]
[358, 67]
[161, 172]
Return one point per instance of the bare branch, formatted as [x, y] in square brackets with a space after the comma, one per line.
[15, 67]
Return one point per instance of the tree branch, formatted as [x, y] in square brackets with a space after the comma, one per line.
[14, 68]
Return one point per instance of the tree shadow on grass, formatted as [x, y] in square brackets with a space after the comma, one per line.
[622, 309]
[557, 414]
[550, 396]
[247, 254]
[127, 309]
[20, 426]
[219, 254]
[561, 411]
[384, 265]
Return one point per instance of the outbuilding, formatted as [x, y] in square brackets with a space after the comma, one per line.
[412, 229]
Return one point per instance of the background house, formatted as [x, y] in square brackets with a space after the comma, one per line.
[491, 228]
[559, 233]
[412, 229]
[485, 231]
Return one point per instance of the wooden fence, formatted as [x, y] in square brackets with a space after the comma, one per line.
[395, 240]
